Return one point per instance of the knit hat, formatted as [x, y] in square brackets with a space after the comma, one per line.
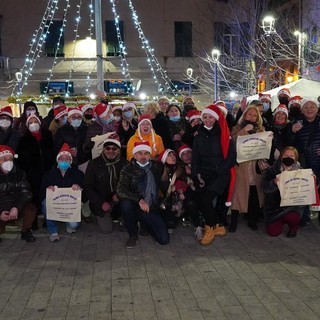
[183, 149]
[284, 91]
[32, 116]
[101, 109]
[60, 111]
[141, 146]
[65, 150]
[75, 110]
[265, 96]
[5, 150]
[128, 105]
[193, 114]
[113, 142]
[282, 108]
[164, 155]
[302, 102]
[294, 100]
[6, 111]
[86, 107]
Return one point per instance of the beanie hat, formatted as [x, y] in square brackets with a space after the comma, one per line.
[193, 114]
[65, 150]
[265, 96]
[164, 155]
[302, 102]
[101, 109]
[75, 110]
[32, 116]
[141, 146]
[294, 100]
[113, 142]
[6, 111]
[128, 105]
[6, 150]
[183, 149]
[282, 108]
[86, 107]
[60, 111]
[284, 91]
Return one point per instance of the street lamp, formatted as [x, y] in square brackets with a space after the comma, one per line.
[189, 74]
[19, 78]
[215, 57]
[268, 28]
[301, 36]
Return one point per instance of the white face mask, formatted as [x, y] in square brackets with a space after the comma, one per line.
[142, 164]
[34, 127]
[30, 112]
[7, 166]
[208, 128]
[4, 123]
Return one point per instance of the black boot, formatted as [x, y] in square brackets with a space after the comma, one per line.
[28, 236]
[234, 221]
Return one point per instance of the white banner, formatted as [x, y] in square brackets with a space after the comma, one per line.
[297, 188]
[63, 204]
[254, 146]
[98, 144]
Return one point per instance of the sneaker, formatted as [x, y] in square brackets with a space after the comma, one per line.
[28, 236]
[219, 230]
[198, 233]
[54, 237]
[71, 230]
[208, 236]
[292, 234]
[132, 242]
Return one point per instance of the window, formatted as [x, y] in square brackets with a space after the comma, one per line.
[113, 48]
[183, 39]
[52, 40]
[118, 87]
[56, 87]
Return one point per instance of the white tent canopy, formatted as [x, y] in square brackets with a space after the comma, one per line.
[303, 87]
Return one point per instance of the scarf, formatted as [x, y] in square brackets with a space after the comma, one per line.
[37, 135]
[113, 178]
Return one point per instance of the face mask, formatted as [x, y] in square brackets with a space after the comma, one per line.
[265, 106]
[295, 111]
[283, 100]
[88, 116]
[34, 127]
[175, 118]
[4, 123]
[76, 123]
[288, 161]
[7, 166]
[30, 112]
[64, 165]
[128, 114]
[107, 121]
[208, 128]
[142, 164]
[188, 107]
[117, 118]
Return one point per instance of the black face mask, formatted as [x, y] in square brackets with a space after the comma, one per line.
[295, 111]
[245, 122]
[288, 161]
[284, 100]
[188, 107]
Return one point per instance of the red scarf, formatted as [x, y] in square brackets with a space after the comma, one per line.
[37, 135]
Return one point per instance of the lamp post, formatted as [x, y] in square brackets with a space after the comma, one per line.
[19, 78]
[215, 57]
[189, 74]
[301, 36]
[268, 28]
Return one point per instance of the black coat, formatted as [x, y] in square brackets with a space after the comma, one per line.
[10, 138]
[161, 127]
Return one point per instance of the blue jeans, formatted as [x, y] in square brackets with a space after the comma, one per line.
[51, 224]
[152, 220]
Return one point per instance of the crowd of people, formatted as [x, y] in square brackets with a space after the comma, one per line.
[169, 164]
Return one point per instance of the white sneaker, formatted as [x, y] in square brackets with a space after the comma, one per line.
[54, 237]
[198, 233]
[70, 230]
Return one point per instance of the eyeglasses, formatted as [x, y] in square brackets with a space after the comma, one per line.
[111, 148]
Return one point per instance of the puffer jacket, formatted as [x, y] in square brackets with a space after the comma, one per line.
[15, 189]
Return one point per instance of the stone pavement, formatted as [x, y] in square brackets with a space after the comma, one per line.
[245, 275]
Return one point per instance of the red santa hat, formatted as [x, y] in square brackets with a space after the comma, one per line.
[101, 109]
[32, 116]
[294, 100]
[281, 108]
[75, 110]
[193, 114]
[86, 107]
[231, 186]
[65, 150]
[144, 117]
[164, 155]
[285, 92]
[222, 106]
[141, 146]
[183, 149]
[114, 108]
[181, 185]
[265, 96]
[316, 205]
[60, 111]
[129, 105]
[6, 150]
[6, 111]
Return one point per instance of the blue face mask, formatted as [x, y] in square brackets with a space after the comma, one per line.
[64, 165]
[128, 114]
[265, 106]
[76, 123]
[175, 118]
[64, 121]
[107, 121]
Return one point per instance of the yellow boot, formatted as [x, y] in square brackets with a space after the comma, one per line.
[219, 230]
[208, 236]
